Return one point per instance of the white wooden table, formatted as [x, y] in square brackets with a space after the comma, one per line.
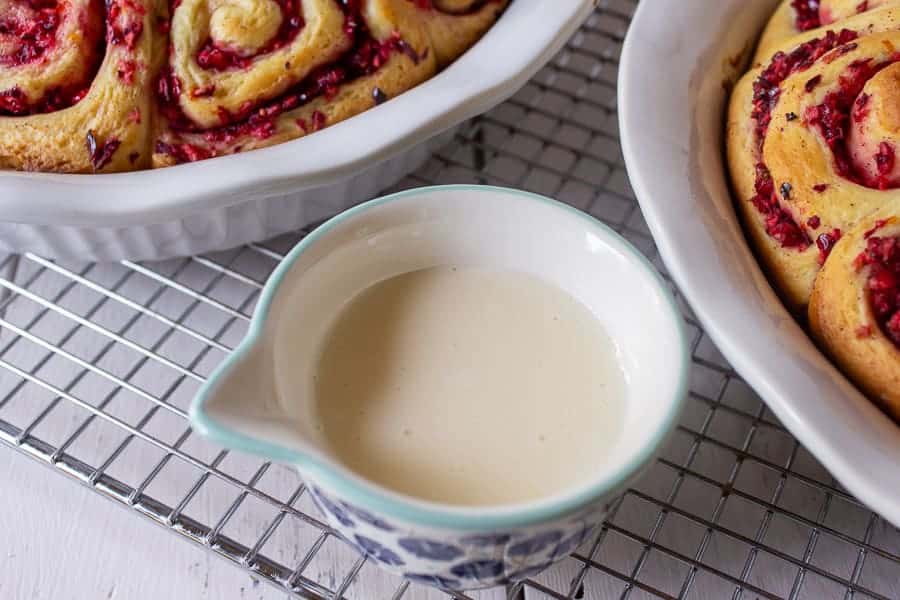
[62, 541]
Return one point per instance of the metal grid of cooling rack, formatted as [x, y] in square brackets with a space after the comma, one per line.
[99, 362]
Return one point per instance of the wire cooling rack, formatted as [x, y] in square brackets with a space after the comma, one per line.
[99, 362]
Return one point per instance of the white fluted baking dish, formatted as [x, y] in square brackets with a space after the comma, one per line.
[674, 72]
[232, 200]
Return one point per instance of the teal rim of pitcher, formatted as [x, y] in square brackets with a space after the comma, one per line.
[372, 497]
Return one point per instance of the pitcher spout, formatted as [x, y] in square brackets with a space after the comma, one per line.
[240, 407]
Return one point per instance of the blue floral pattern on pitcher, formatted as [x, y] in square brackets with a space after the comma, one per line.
[367, 517]
[429, 549]
[483, 540]
[536, 544]
[479, 570]
[459, 561]
[380, 553]
[443, 583]
[528, 572]
[334, 509]
[571, 543]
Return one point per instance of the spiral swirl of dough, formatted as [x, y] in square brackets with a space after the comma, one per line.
[78, 115]
[231, 90]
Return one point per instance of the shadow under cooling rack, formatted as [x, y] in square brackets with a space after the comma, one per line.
[98, 364]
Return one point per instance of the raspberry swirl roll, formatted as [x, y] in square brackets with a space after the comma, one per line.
[75, 77]
[812, 135]
[244, 74]
[855, 306]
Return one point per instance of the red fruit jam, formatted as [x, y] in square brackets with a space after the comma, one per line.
[259, 120]
[878, 225]
[884, 161]
[28, 35]
[780, 224]
[882, 259]
[832, 119]
[126, 23]
[813, 83]
[807, 12]
[126, 70]
[210, 56]
[767, 90]
[13, 101]
[29, 31]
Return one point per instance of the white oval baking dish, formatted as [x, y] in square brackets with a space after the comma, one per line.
[228, 201]
[671, 103]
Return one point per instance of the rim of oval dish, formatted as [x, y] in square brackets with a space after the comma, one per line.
[366, 494]
[828, 433]
[491, 70]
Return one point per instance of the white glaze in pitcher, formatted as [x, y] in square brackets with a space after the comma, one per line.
[242, 405]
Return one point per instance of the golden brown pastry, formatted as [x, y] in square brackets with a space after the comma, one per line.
[68, 105]
[853, 309]
[88, 86]
[812, 136]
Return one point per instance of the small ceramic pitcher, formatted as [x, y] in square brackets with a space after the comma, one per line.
[250, 403]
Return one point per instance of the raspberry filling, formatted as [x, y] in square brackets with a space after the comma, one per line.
[28, 34]
[13, 101]
[216, 57]
[29, 31]
[882, 259]
[124, 26]
[767, 88]
[779, 223]
[807, 12]
[365, 57]
[836, 117]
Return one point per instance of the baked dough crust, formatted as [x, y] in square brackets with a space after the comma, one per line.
[841, 318]
[115, 111]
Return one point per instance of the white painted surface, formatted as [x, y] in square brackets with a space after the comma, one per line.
[61, 541]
